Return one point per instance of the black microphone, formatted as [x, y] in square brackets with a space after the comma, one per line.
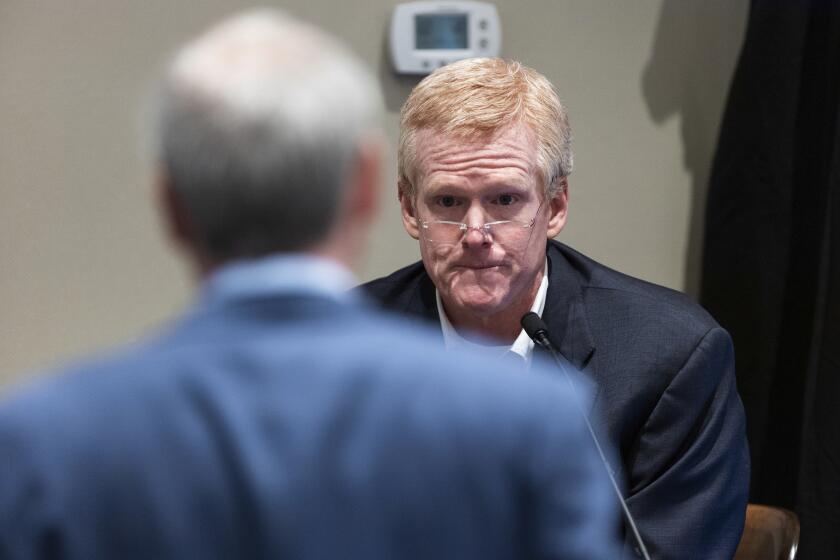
[536, 329]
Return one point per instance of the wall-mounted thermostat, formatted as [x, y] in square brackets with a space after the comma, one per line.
[428, 35]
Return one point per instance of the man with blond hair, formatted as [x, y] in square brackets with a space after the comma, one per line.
[484, 164]
[281, 417]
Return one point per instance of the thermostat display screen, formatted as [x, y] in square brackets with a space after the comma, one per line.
[441, 31]
[427, 34]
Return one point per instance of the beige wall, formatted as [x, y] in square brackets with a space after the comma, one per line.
[84, 266]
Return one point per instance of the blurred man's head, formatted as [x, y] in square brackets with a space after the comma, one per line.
[484, 156]
[268, 141]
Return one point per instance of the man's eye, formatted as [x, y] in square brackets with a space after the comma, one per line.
[447, 201]
[506, 199]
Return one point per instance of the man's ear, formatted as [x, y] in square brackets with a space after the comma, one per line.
[176, 222]
[367, 182]
[409, 212]
[558, 209]
[179, 226]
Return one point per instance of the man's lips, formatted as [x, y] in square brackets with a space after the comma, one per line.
[479, 266]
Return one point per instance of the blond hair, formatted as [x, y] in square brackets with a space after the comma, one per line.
[478, 97]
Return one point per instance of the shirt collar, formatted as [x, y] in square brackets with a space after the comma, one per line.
[285, 273]
[523, 345]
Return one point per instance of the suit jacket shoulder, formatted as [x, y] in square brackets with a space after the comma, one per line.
[638, 294]
[287, 427]
[407, 291]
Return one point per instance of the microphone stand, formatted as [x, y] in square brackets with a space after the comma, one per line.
[537, 330]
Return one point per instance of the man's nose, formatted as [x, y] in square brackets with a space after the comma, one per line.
[476, 235]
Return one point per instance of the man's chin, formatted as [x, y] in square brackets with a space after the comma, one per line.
[480, 292]
[478, 303]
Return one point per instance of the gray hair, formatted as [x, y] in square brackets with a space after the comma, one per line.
[259, 122]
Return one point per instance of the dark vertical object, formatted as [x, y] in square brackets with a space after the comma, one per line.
[772, 254]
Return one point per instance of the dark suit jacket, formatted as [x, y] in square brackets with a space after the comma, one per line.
[666, 382]
[297, 427]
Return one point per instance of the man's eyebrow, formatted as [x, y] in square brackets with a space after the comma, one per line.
[516, 184]
[436, 187]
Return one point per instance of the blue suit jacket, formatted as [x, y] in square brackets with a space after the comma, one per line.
[666, 387]
[298, 427]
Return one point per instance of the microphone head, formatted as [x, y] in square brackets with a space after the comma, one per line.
[533, 325]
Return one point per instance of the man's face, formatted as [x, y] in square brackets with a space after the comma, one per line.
[482, 273]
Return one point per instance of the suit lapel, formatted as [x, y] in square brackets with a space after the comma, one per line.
[564, 313]
[565, 316]
[422, 302]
